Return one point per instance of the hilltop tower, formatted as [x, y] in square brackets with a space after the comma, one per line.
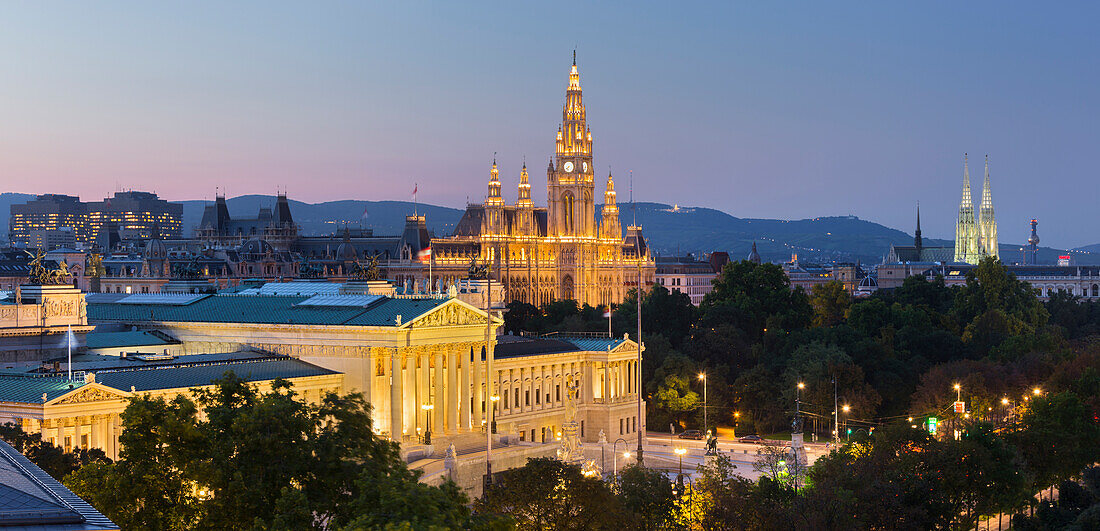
[987, 224]
[966, 231]
[1033, 243]
[569, 181]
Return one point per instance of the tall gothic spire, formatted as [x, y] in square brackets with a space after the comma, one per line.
[494, 198]
[609, 225]
[966, 233]
[524, 189]
[917, 241]
[987, 223]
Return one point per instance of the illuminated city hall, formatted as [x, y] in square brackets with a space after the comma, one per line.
[560, 251]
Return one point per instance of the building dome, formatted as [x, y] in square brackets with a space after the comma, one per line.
[754, 256]
[256, 247]
[347, 252]
[155, 248]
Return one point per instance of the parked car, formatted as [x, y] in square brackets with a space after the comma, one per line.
[753, 439]
[691, 434]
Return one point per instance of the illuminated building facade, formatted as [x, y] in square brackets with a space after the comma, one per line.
[975, 239]
[542, 254]
[128, 214]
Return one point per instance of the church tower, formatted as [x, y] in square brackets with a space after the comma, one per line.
[569, 181]
[494, 204]
[525, 215]
[966, 232]
[609, 225]
[987, 224]
[918, 242]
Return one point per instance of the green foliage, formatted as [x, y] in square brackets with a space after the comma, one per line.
[647, 494]
[549, 494]
[52, 459]
[265, 460]
[830, 302]
[673, 398]
[753, 297]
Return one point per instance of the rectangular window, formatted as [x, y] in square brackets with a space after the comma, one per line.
[505, 400]
[620, 426]
[538, 398]
[582, 428]
[68, 443]
[523, 435]
[527, 400]
[557, 392]
[517, 397]
[84, 441]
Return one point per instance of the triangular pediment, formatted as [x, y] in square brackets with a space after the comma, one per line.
[91, 392]
[452, 313]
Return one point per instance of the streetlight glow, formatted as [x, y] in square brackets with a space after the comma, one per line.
[702, 376]
[847, 408]
[1036, 391]
[801, 385]
[680, 451]
[1004, 401]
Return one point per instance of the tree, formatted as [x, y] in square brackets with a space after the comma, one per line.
[266, 460]
[647, 494]
[52, 459]
[673, 399]
[830, 302]
[753, 296]
[1058, 437]
[548, 494]
[664, 312]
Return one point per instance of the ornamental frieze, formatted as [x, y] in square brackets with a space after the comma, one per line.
[89, 394]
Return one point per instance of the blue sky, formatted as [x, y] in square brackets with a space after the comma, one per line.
[782, 110]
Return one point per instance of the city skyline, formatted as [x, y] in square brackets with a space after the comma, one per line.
[371, 101]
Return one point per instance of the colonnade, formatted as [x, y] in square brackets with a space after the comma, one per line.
[444, 382]
[83, 431]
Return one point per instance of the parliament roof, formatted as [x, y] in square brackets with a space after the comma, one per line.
[267, 309]
[31, 500]
[137, 338]
[515, 346]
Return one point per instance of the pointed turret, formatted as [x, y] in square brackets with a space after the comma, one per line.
[987, 224]
[494, 203]
[570, 186]
[525, 217]
[966, 232]
[917, 241]
[609, 225]
[524, 196]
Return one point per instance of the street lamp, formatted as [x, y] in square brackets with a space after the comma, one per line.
[680, 452]
[847, 408]
[958, 393]
[798, 405]
[736, 419]
[427, 422]
[1036, 391]
[615, 455]
[703, 377]
[493, 415]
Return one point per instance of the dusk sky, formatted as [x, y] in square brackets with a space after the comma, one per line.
[793, 111]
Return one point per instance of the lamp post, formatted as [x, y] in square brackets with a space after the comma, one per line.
[615, 455]
[703, 377]
[493, 414]
[847, 408]
[680, 452]
[958, 393]
[798, 405]
[736, 419]
[427, 422]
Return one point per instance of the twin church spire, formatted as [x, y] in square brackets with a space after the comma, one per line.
[975, 239]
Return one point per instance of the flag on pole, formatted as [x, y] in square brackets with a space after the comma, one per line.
[415, 188]
[365, 214]
[607, 314]
[425, 254]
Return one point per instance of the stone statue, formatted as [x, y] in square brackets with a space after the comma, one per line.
[477, 271]
[570, 449]
[42, 276]
[189, 271]
[95, 266]
[368, 273]
[603, 437]
[308, 270]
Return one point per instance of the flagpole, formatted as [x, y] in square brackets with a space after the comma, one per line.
[69, 342]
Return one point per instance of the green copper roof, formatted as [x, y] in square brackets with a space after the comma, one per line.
[29, 389]
[125, 339]
[594, 344]
[197, 375]
[265, 309]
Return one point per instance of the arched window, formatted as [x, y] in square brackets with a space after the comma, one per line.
[1096, 290]
[567, 211]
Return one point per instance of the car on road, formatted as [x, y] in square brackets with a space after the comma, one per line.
[752, 439]
[691, 434]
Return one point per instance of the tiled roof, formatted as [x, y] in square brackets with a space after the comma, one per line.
[513, 346]
[197, 375]
[264, 309]
[595, 344]
[29, 389]
[32, 500]
[137, 338]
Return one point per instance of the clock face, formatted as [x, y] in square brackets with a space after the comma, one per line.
[584, 165]
[568, 167]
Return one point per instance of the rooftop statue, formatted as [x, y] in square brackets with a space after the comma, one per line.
[43, 276]
[477, 271]
[189, 271]
[369, 273]
[308, 270]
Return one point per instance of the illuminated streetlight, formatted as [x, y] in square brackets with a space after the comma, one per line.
[615, 455]
[680, 452]
[1004, 401]
[958, 393]
[493, 423]
[736, 419]
[427, 422]
[1036, 391]
[703, 377]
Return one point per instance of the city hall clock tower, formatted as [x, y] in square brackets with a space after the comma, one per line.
[569, 182]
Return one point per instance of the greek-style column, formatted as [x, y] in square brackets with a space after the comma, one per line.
[463, 389]
[408, 397]
[606, 382]
[425, 388]
[417, 370]
[452, 392]
[440, 408]
[478, 389]
[93, 432]
[396, 423]
[368, 373]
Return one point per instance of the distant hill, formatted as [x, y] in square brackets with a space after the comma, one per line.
[670, 230]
